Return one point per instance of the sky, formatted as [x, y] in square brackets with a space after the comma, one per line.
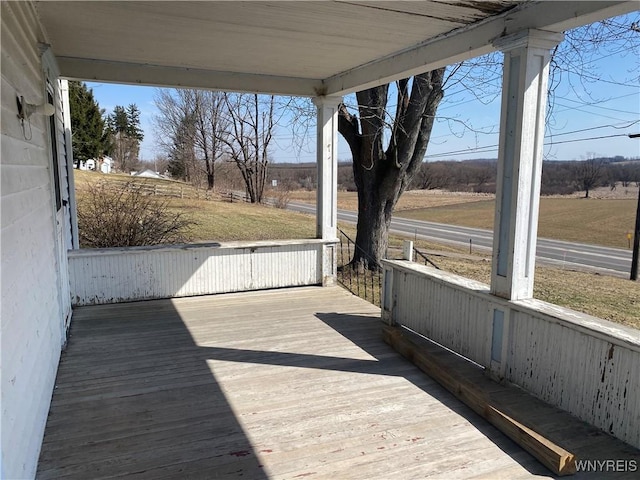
[592, 114]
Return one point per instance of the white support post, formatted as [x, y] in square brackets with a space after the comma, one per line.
[522, 121]
[407, 250]
[327, 199]
[388, 296]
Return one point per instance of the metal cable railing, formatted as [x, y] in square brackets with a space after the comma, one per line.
[363, 278]
[425, 258]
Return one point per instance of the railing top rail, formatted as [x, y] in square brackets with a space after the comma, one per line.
[614, 333]
[195, 246]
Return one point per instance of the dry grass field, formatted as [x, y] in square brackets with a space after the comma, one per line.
[610, 298]
[218, 219]
[585, 220]
[224, 221]
[605, 219]
[413, 199]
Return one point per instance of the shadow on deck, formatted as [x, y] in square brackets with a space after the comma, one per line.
[293, 383]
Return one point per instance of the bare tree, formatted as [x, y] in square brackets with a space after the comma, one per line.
[251, 126]
[431, 176]
[210, 128]
[182, 153]
[125, 150]
[624, 174]
[192, 125]
[589, 174]
[388, 142]
[174, 129]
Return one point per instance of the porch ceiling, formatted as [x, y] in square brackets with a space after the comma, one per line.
[298, 48]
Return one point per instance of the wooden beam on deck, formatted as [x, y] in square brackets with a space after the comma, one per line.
[468, 383]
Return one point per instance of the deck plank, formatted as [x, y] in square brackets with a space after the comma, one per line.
[282, 384]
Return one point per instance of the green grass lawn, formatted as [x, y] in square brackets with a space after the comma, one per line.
[594, 221]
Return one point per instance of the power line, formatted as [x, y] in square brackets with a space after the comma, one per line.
[593, 104]
[492, 148]
[591, 138]
[627, 125]
[581, 109]
[598, 79]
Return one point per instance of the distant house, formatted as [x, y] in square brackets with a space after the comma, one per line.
[106, 164]
[87, 164]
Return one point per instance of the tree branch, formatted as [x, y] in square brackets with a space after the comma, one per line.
[349, 128]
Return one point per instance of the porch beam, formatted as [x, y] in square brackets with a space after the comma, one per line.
[327, 192]
[474, 40]
[522, 121]
[180, 77]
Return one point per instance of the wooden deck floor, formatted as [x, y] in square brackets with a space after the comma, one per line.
[285, 384]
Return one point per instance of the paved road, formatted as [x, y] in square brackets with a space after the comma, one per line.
[612, 261]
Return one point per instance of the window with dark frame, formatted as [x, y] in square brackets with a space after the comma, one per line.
[54, 153]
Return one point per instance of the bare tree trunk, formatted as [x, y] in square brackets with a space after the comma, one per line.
[381, 175]
[373, 227]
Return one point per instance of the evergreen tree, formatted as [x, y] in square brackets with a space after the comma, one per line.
[87, 124]
[182, 153]
[118, 121]
[133, 123]
[125, 135]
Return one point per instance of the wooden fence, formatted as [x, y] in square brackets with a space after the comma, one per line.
[165, 189]
[181, 190]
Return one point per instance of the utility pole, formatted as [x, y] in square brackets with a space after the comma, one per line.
[636, 233]
[636, 243]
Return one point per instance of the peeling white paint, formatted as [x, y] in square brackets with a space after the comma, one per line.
[582, 364]
[142, 273]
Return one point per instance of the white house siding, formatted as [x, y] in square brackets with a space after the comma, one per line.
[31, 314]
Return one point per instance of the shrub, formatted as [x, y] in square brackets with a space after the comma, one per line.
[281, 198]
[125, 216]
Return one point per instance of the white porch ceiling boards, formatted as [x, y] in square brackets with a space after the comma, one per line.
[300, 48]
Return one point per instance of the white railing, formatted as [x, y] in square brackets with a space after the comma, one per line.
[579, 363]
[114, 275]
